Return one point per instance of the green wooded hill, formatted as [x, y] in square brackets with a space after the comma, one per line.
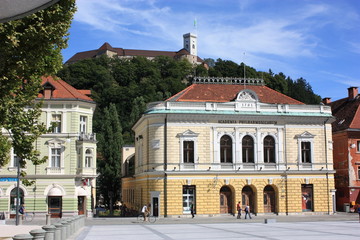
[130, 84]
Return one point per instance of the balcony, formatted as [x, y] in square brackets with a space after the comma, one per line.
[87, 137]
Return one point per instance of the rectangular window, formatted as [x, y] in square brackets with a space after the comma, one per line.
[305, 152]
[188, 197]
[56, 118]
[307, 197]
[188, 151]
[55, 157]
[88, 158]
[359, 172]
[15, 160]
[83, 121]
[358, 146]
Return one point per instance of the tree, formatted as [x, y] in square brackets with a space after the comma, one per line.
[110, 142]
[30, 48]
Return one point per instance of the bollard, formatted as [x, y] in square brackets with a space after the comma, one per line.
[82, 220]
[38, 234]
[23, 237]
[50, 232]
[58, 231]
[48, 219]
[76, 223]
[20, 219]
[64, 232]
[70, 221]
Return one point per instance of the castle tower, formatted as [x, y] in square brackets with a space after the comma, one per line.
[190, 43]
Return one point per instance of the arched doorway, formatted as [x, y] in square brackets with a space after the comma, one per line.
[269, 199]
[225, 200]
[55, 203]
[13, 199]
[248, 198]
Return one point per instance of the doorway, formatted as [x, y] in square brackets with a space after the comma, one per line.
[13, 199]
[247, 198]
[269, 199]
[55, 206]
[81, 205]
[225, 200]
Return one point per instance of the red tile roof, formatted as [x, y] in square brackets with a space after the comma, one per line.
[347, 113]
[228, 93]
[62, 90]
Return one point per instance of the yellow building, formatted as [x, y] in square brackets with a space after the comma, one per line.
[225, 140]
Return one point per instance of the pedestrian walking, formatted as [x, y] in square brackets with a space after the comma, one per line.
[238, 208]
[247, 211]
[192, 209]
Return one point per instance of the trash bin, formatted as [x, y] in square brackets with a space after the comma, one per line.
[346, 207]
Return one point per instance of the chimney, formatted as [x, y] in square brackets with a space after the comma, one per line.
[326, 100]
[352, 92]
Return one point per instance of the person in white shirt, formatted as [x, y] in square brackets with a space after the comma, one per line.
[145, 211]
[247, 211]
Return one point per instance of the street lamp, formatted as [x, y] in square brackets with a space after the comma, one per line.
[17, 192]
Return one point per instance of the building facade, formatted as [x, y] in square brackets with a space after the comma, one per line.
[189, 52]
[346, 137]
[65, 184]
[225, 140]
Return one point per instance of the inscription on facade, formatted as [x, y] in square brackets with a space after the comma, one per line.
[247, 122]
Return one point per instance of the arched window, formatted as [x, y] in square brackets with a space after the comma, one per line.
[88, 158]
[226, 149]
[269, 149]
[248, 149]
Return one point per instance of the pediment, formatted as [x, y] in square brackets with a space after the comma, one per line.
[188, 133]
[55, 142]
[305, 134]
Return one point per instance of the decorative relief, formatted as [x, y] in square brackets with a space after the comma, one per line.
[246, 96]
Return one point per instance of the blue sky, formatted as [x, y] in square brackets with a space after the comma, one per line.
[318, 40]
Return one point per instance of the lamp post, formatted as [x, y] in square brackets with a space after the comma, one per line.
[17, 192]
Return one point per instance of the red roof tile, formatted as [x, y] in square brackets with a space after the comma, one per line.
[228, 93]
[347, 113]
[62, 90]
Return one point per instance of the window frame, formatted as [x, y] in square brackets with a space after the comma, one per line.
[186, 198]
[188, 152]
[88, 158]
[83, 124]
[58, 121]
[308, 139]
[188, 136]
[245, 150]
[13, 159]
[266, 148]
[55, 158]
[226, 151]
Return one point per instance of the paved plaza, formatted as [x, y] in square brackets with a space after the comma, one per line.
[280, 230]
[338, 226]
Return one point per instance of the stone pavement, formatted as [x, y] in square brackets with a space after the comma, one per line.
[227, 227]
[348, 230]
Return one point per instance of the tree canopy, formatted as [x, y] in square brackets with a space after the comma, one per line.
[30, 48]
[132, 83]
